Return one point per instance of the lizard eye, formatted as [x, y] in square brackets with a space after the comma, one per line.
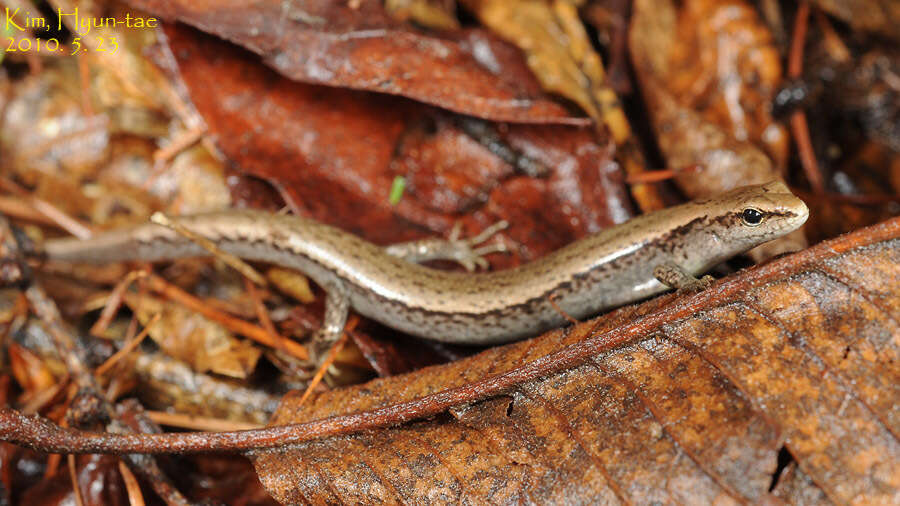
[752, 216]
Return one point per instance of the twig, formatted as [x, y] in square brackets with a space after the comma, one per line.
[114, 302]
[799, 125]
[329, 359]
[53, 213]
[837, 50]
[63, 220]
[655, 176]
[561, 311]
[181, 142]
[84, 74]
[37, 402]
[263, 314]
[163, 156]
[20, 208]
[229, 259]
[132, 414]
[68, 352]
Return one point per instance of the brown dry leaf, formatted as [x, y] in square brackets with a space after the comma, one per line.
[437, 15]
[45, 131]
[358, 45]
[704, 114]
[55, 125]
[559, 53]
[125, 86]
[90, 151]
[169, 384]
[562, 57]
[284, 131]
[880, 16]
[292, 283]
[202, 343]
[29, 370]
[716, 58]
[801, 353]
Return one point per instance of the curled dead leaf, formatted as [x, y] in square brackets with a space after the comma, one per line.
[703, 109]
[191, 337]
[880, 16]
[358, 45]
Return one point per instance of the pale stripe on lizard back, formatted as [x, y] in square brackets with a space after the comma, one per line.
[607, 269]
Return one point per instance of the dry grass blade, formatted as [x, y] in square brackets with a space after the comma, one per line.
[73, 476]
[329, 359]
[126, 349]
[197, 422]
[135, 496]
[114, 302]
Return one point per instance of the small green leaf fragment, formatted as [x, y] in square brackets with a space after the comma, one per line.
[397, 188]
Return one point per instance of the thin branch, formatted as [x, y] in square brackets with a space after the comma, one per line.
[799, 125]
[114, 302]
[132, 414]
[329, 359]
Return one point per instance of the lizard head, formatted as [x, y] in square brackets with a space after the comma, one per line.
[731, 223]
[757, 214]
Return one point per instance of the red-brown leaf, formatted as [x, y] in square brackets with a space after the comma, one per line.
[357, 45]
[336, 153]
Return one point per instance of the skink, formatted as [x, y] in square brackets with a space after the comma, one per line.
[608, 269]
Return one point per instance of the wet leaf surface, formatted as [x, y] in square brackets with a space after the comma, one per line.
[728, 86]
[283, 131]
[803, 355]
[879, 16]
[710, 96]
[359, 46]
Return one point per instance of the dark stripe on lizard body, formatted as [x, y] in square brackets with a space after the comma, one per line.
[604, 270]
